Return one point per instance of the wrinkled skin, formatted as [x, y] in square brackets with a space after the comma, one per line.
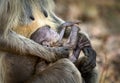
[45, 36]
[89, 52]
[77, 42]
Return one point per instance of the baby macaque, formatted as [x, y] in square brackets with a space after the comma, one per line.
[48, 37]
[76, 43]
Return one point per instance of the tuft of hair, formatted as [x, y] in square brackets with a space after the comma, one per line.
[9, 14]
[47, 4]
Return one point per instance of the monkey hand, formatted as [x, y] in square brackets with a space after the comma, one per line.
[85, 45]
[91, 61]
[60, 52]
[83, 41]
[69, 24]
[65, 26]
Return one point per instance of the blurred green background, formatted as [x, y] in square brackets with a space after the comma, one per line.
[101, 20]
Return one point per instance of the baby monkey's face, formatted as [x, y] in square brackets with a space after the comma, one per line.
[45, 36]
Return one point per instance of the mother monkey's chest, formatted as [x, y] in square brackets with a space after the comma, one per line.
[16, 68]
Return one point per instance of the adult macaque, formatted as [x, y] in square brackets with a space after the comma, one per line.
[19, 55]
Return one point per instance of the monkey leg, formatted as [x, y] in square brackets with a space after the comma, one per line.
[81, 42]
[88, 70]
[62, 71]
[88, 77]
[73, 38]
[86, 64]
[91, 77]
[75, 55]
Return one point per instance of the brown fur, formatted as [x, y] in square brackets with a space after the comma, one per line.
[19, 55]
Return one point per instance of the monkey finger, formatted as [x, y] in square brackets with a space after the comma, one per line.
[90, 62]
[85, 71]
[89, 52]
[83, 42]
[69, 24]
[77, 22]
[82, 45]
[91, 66]
[61, 52]
[88, 68]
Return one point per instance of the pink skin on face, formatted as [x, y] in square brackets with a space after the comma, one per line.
[48, 36]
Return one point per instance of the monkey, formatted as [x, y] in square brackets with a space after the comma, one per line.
[48, 37]
[19, 54]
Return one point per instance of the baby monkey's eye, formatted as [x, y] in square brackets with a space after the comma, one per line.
[46, 43]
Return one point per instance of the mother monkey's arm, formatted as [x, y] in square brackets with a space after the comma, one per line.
[12, 42]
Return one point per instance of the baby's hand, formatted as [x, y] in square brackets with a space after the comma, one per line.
[69, 24]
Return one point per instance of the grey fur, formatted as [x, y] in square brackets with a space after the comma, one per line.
[13, 46]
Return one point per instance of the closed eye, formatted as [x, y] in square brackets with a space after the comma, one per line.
[45, 13]
[32, 18]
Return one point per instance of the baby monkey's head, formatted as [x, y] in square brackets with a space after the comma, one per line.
[45, 36]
